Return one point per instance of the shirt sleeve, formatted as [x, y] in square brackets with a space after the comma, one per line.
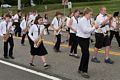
[86, 29]
[30, 33]
[22, 24]
[53, 21]
[99, 20]
[3, 31]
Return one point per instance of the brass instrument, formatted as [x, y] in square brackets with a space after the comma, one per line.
[61, 26]
[92, 22]
[117, 25]
[7, 35]
[26, 30]
[38, 42]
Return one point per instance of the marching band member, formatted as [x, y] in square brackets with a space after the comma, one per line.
[68, 29]
[46, 23]
[84, 30]
[113, 29]
[35, 33]
[73, 23]
[7, 33]
[32, 17]
[56, 25]
[17, 19]
[24, 27]
[101, 35]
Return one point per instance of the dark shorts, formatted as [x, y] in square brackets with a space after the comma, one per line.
[101, 40]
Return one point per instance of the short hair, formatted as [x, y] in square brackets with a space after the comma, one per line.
[116, 14]
[58, 13]
[76, 10]
[87, 10]
[18, 11]
[102, 7]
[36, 19]
[8, 15]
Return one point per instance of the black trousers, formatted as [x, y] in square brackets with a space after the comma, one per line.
[112, 33]
[11, 43]
[46, 27]
[73, 43]
[23, 38]
[17, 29]
[84, 44]
[57, 44]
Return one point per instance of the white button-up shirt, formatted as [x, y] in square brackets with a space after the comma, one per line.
[33, 31]
[113, 23]
[99, 20]
[15, 18]
[23, 24]
[4, 27]
[56, 23]
[74, 24]
[31, 19]
[84, 28]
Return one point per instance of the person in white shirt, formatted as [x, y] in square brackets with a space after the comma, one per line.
[84, 31]
[68, 29]
[56, 25]
[46, 23]
[7, 29]
[73, 24]
[35, 33]
[24, 27]
[17, 19]
[101, 36]
[32, 17]
[113, 28]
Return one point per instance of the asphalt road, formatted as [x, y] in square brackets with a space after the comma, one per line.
[62, 65]
[11, 73]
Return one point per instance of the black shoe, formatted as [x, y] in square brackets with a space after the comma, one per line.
[84, 74]
[57, 51]
[6, 57]
[71, 54]
[109, 61]
[95, 60]
[31, 64]
[46, 66]
[11, 57]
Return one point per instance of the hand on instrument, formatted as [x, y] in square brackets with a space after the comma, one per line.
[96, 26]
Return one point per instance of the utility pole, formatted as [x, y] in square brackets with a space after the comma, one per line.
[19, 4]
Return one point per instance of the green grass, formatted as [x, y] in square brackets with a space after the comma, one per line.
[112, 5]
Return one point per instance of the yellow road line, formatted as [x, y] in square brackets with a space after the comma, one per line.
[66, 46]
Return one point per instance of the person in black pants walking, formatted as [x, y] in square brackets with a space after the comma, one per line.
[7, 29]
[73, 23]
[84, 31]
[56, 25]
[17, 20]
[113, 29]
